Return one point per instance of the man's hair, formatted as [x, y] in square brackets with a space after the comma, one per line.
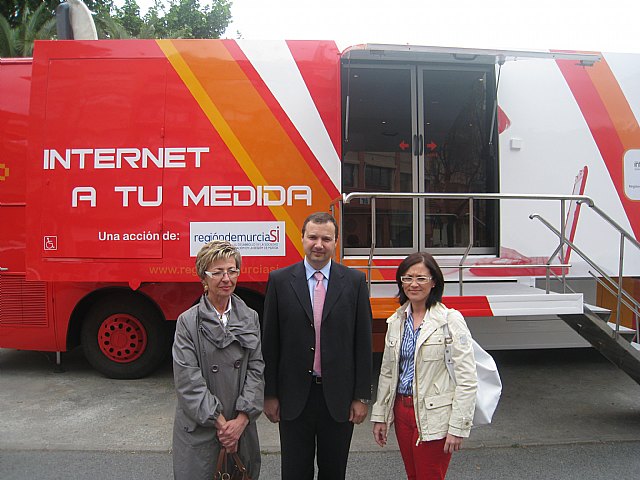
[320, 218]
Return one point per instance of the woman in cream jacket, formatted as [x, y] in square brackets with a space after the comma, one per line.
[431, 413]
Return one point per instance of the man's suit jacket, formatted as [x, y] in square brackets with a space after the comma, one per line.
[289, 338]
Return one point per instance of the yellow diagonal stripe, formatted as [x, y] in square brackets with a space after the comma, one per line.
[226, 133]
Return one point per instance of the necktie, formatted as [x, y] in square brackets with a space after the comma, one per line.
[319, 293]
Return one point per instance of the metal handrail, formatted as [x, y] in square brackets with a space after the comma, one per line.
[622, 295]
[614, 224]
[620, 292]
[367, 270]
[633, 306]
[624, 235]
[471, 197]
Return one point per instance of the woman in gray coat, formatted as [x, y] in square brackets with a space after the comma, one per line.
[218, 372]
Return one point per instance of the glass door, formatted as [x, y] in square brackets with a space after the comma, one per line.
[379, 108]
[419, 128]
[458, 156]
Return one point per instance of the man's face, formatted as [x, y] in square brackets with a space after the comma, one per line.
[319, 243]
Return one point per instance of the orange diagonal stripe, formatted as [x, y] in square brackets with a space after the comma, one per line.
[616, 104]
[243, 120]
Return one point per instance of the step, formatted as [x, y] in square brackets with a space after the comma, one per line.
[615, 348]
[487, 299]
[624, 331]
[602, 313]
[605, 315]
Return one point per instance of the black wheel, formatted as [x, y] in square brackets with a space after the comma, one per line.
[124, 337]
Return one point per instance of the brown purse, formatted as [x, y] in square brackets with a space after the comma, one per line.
[230, 467]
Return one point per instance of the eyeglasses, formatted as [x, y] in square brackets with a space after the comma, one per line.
[419, 280]
[219, 274]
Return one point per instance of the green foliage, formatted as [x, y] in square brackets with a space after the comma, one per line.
[129, 17]
[187, 19]
[8, 41]
[109, 28]
[23, 21]
[15, 11]
[17, 40]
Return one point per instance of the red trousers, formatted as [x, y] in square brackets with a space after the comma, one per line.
[427, 460]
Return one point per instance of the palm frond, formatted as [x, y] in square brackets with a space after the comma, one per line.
[7, 41]
[110, 28]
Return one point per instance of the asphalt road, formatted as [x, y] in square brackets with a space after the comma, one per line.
[620, 461]
[564, 414]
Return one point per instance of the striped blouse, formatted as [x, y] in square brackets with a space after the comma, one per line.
[407, 350]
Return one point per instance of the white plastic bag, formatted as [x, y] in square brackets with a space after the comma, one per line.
[489, 386]
[489, 383]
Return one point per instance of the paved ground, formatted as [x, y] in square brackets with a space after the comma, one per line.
[618, 461]
[559, 405]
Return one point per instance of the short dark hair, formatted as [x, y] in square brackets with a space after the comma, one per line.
[428, 261]
[320, 218]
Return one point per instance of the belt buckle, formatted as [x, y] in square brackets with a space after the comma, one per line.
[317, 380]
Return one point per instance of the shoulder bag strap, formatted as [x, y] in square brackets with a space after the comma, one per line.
[240, 466]
[204, 368]
[243, 369]
[448, 360]
[221, 466]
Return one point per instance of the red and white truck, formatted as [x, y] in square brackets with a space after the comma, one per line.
[120, 159]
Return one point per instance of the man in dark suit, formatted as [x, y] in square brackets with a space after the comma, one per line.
[317, 394]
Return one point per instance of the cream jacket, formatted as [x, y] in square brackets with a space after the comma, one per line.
[440, 406]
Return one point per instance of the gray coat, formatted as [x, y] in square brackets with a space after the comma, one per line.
[216, 369]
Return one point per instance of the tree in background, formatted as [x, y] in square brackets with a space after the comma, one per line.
[129, 17]
[23, 21]
[188, 20]
[23, 27]
[15, 11]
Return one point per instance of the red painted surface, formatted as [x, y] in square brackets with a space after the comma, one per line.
[136, 99]
[611, 122]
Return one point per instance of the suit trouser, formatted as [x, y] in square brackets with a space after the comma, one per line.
[426, 460]
[298, 439]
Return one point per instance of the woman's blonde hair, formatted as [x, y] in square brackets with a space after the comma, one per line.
[216, 250]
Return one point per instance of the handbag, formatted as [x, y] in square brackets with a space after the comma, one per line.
[489, 383]
[230, 467]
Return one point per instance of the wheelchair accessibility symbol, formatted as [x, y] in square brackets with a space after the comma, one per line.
[50, 242]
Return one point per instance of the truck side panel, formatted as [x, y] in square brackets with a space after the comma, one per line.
[175, 143]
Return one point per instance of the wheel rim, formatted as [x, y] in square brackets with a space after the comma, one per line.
[122, 338]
